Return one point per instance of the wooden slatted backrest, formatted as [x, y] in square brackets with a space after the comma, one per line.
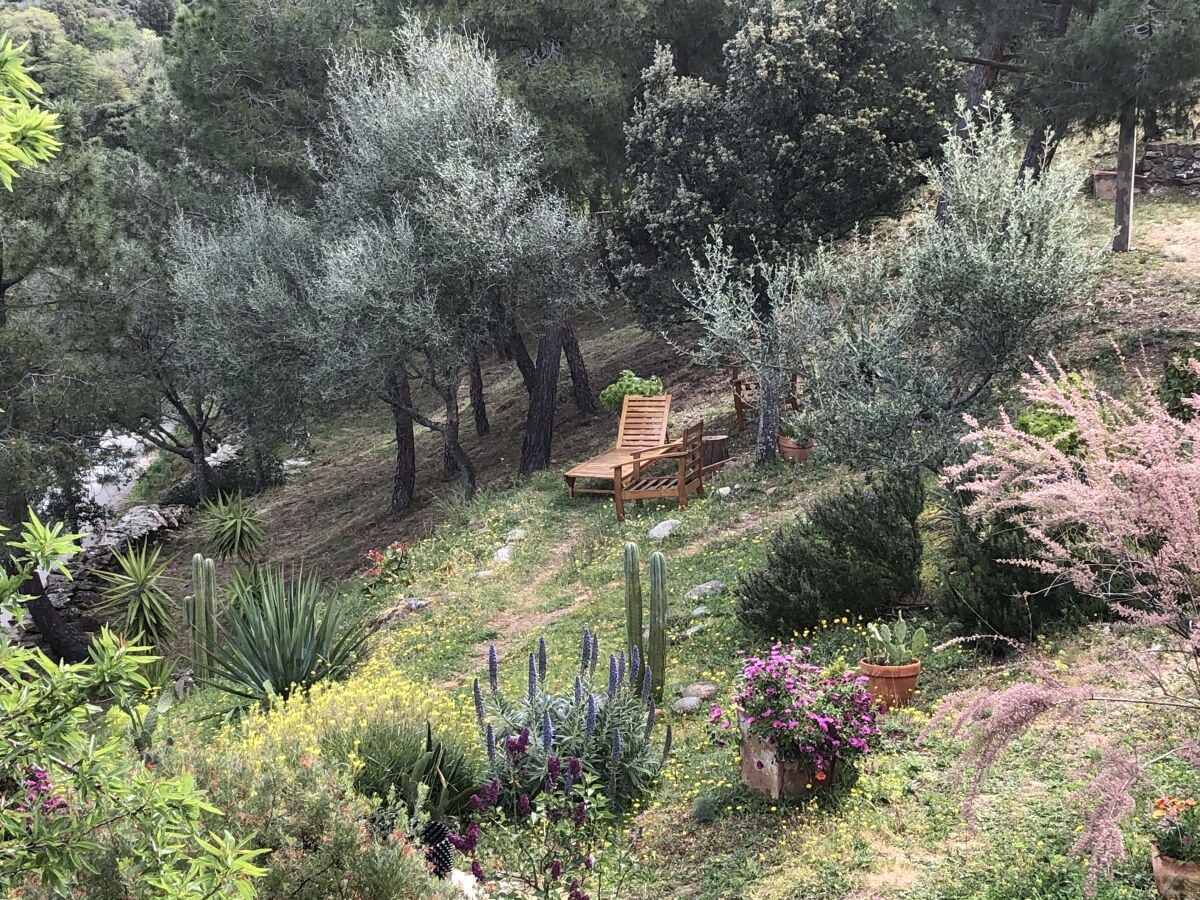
[643, 422]
[693, 452]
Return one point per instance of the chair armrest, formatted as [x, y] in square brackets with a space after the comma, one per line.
[648, 453]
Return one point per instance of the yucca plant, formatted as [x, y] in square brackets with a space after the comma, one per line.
[136, 593]
[233, 529]
[281, 633]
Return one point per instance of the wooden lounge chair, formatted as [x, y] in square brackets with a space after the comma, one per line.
[685, 476]
[643, 426]
[745, 396]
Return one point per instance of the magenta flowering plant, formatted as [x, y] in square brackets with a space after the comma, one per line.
[803, 711]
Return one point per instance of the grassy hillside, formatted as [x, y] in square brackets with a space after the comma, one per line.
[900, 831]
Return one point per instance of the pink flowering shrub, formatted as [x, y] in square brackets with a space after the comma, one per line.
[390, 568]
[805, 713]
[1120, 516]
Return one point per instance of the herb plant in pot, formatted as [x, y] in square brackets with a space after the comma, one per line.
[893, 662]
[792, 446]
[801, 729]
[1175, 853]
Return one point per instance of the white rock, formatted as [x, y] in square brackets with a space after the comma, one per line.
[482, 574]
[708, 589]
[517, 534]
[662, 530]
[686, 705]
[502, 555]
[701, 690]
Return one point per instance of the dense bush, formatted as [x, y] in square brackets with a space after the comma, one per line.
[232, 528]
[397, 754]
[613, 396]
[236, 475]
[281, 632]
[856, 552]
[984, 595]
[604, 726]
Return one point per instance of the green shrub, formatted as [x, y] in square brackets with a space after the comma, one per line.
[135, 592]
[395, 756]
[304, 811]
[238, 475]
[1178, 383]
[281, 633]
[232, 528]
[857, 552]
[1050, 426]
[983, 595]
[613, 396]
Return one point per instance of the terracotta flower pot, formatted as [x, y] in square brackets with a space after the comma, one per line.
[891, 686]
[780, 778]
[793, 450]
[1175, 880]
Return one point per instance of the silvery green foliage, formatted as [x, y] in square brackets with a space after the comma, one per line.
[891, 645]
[896, 345]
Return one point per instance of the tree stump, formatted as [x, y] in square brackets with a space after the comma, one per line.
[714, 452]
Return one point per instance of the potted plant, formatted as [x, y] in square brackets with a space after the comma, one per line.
[801, 729]
[893, 662]
[792, 446]
[1175, 853]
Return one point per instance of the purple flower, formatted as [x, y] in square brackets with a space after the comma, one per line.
[477, 870]
[547, 731]
[589, 722]
[613, 677]
[647, 681]
[543, 659]
[595, 652]
[580, 814]
[635, 664]
[493, 668]
[490, 739]
[478, 694]
[553, 766]
[585, 658]
[576, 892]
[578, 690]
[621, 666]
[589, 861]
[556, 869]
[533, 678]
[523, 805]
[574, 767]
[651, 712]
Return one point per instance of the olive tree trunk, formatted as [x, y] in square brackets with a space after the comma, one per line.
[539, 420]
[1126, 161]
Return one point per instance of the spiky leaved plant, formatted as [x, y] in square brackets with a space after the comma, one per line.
[233, 529]
[136, 593]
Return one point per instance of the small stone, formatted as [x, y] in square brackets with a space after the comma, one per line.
[724, 494]
[416, 603]
[662, 530]
[517, 534]
[502, 555]
[481, 575]
[686, 705]
[700, 612]
[701, 690]
[708, 589]
[689, 633]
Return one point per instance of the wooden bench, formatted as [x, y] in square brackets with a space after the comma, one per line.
[745, 396]
[686, 477]
[643, 426]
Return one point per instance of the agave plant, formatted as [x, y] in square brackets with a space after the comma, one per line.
[136, 593]
[233, 528]
[282, 633]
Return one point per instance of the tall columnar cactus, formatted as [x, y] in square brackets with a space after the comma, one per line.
[656, 654]
[633, 599]
[200, 610]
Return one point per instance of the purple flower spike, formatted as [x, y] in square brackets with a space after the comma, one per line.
[595, 653]
[478, 693]
[635, 664]
[547, 732]
[585, 658]
[589, 725]
[651, 713]
[490, 737]
[621, 666]
[647, 682]
[556, 869]
[524, 805]
[578, 691]
[613, 677]
[533, 679]
[493, 668]
[543, 659]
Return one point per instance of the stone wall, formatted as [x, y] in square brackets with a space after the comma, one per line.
[1171, 164]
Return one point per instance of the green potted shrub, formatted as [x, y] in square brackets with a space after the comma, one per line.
[792, 445]
[893, 662]
[613, 396]
[1175, 853]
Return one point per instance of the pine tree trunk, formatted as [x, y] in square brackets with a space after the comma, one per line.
[404, 482]
[478, 402]
[516, 346]
[1126, 161]
[452, 448]
[585, 400]
[539, 420]
[65, 640]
